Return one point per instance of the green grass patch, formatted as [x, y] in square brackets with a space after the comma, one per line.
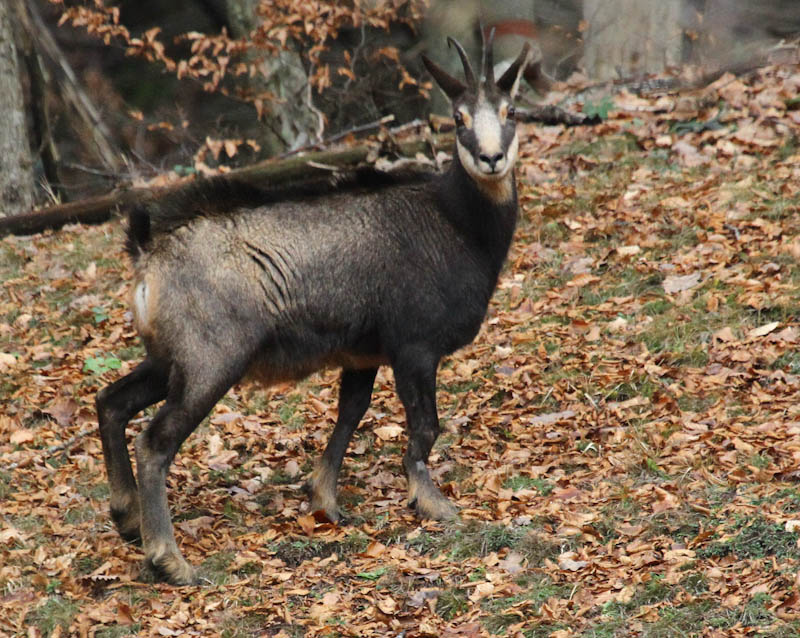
[536, 548]
[623, 283]
[451, 603]
[289, 412]
[516, 483]
[604, 148]
[460, 387]
[255, 624]
[54, 612]
[465, 540]
[753, 537]
[119, 631]
[78, 515]
[294, 552]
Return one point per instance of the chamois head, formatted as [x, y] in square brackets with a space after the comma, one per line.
[483, 110]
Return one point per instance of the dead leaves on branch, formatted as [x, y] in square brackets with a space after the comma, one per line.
[281, 25]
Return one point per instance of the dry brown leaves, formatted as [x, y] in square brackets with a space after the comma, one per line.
[648, 458]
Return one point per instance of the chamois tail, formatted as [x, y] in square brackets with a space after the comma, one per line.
[139, 233]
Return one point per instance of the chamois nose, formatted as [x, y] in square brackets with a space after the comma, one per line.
[491, 160]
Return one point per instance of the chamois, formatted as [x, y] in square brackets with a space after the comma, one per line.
[228, 285]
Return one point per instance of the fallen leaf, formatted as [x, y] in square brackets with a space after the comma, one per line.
[763, 330]
[387, 605]
[566, 561]
[23, 435]
[674, 283]
[421, 597]
[512, 563]
[792, 525]
[307, 524]
[63, 411]
[194, 526]
[7, 361]
[388, 432]
[552, 417]
[627, 251]
[481, 590]
[725, 334]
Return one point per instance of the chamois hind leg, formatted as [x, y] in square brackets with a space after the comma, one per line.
[415, 378]
[191, 396]
[116, 405]
[354, 398]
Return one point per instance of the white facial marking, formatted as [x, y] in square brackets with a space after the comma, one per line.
[487, 130]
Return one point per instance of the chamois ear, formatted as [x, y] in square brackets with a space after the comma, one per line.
[509, 81]
[450, 85]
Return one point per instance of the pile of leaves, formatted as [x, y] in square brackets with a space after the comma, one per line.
[622, 438]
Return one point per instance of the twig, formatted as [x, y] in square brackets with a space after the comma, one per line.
[317, 113]
[330, 140]
[89, 169]
[733, 229]
[69, 444]
[356, 53]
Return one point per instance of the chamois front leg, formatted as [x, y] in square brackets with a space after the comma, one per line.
[116, 405]
[415, 377]
[354, 398]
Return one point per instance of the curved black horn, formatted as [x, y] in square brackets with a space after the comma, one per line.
[488, 58]
[509, 81]
[468, 74]
[450, 85]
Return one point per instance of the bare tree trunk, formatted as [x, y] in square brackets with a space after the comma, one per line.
[632, 37]
[16, 168]
[294, 122]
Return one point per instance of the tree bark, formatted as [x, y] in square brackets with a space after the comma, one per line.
[41, 130]
[16, 168]
[630, 38]
[294, 122]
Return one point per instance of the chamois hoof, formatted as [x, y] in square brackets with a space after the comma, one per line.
[127, 524]
[436, 508]
[169, 569]
[330, 511]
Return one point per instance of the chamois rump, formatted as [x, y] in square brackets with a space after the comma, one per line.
[229, 285]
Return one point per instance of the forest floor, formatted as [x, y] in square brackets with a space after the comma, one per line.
[623, 438]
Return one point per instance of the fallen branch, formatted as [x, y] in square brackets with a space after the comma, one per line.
[291, 172]
[551, 114]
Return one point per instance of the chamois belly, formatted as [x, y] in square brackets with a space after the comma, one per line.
[269, 368]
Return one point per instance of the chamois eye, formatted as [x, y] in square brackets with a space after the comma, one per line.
[459, 118]
[511, 113]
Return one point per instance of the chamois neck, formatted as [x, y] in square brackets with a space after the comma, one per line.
[485, 214]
